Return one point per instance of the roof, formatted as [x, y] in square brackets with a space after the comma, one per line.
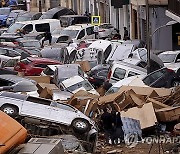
[129, 65]
[14, 78]
[36, 59]
[38, 21]
[77, 27]
[13, 95]
[171, 52]
[72, 81]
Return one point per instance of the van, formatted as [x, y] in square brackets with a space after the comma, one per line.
[79, 32]
[120, 70]
[34, 26]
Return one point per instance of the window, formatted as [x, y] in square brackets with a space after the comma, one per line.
[28, 28]
[102, 74]
[90, 30]
[119, 73]
[42, 27]
[5, 83]
[178, 59]
[13, 53]
[142, 64]
[62, 106]
[132, 74]
[3, 51]
[81, 34]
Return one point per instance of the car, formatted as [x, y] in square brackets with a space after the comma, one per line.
[13, 15]
[79, 32]
[171, 60]
[34, 66]
[30, 44]
[120, 70]
[14, 136]
[21, 50]
[4, 13]
[49, 70]
[98, 75]
[163, 77]
[76, 83]
[137, 62]
[28, 16]
[18, 84]
[137, 43]
[56, 12]
[14, 39]
[49, 115]
[59, 53]
[68, 20]
[106, 30]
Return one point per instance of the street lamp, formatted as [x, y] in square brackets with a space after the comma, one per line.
[150, 43]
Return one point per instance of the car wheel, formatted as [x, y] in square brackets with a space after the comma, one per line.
[80, 125]
[175, 83]
[10, 110]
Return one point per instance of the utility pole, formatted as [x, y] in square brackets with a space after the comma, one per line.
[148, 38]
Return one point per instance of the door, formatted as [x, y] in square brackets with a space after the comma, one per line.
[63, 113]
[36, 110]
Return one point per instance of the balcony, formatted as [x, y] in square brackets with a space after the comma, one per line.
[174, 7]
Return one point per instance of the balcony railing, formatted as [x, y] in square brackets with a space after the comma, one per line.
[174, 6]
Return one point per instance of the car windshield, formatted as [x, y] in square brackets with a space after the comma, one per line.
[71, 33]
[4, 11]
[23, 18]
[13, 28]
[57, 31]
[85, 84]
[167, 58]
[112, 90]
[48, 71]
[31, 44]
[13, 15]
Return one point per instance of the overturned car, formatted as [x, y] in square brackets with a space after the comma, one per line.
[46, 118]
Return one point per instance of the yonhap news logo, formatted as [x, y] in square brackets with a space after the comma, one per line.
[132, 140]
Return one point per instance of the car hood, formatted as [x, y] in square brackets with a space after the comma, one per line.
[3, 17]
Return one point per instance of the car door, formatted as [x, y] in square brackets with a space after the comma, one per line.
[63, 113]
[36, 110]
[90, 33]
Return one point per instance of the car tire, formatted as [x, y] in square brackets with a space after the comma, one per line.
[10, 110]
[80, 125]
[175, 83]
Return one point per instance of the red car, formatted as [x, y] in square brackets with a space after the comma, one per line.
[34, 66]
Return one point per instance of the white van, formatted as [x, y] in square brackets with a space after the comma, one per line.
[79, 32]
[34, 26]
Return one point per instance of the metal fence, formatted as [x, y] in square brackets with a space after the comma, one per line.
[174, 6]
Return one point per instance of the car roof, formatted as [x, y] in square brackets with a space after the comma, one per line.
[38, 21]
[73, 80]
[171, 52]
[37, 59]
[13, 95]
[133, 61]
[78, 27]
[14, 78]
[129, 65]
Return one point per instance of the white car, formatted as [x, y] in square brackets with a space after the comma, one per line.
[76, 83]
[106, 30]
[79, 32]
[121, 70]
[171, 59]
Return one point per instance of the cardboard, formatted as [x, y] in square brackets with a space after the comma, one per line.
[46, 93]
[145, 114]
[168, 114]
[40, 79]
[157, 104]
[84, 65]
[41, 86]
[147, 91]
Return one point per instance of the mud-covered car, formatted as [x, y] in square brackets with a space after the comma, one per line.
[47, 116]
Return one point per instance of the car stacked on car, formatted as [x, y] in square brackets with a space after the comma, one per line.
[40, 75]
